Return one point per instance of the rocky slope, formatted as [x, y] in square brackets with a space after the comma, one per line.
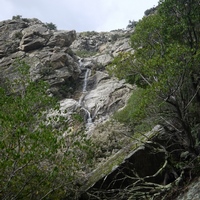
[47, 53]
[51, 58]
[72, 63]
[74, 66]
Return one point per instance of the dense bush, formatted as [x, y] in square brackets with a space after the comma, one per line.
[164, 68]
[150, 11]
[16, 17]
[132, 24]
[165, 65]
[37, 162]
[51, 26]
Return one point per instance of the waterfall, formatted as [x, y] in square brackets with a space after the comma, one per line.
[84, 90]
[87, 73]
[89, 119]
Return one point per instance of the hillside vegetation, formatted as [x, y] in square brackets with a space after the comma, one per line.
[165, 68]
[86, 116]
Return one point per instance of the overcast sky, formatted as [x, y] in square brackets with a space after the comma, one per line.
[80, 15]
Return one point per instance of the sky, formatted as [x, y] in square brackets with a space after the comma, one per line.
[79, 15]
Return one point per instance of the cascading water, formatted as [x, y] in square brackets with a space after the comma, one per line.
[89, 119]
[87, 73]
[84, 91]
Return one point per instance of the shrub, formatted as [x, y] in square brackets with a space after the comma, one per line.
[51, 26]
[16, 17]
[37, 162]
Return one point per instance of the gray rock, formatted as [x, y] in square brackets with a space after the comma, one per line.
[10, 36]
[34, 37]
[46, 51]
[106, 45]
[192, 193]
[108, 94]
[50, 58]
[103, 59]
[62, 38]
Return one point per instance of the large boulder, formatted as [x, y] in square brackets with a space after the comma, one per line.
[34, 37]
[62, 38]
[131, 167]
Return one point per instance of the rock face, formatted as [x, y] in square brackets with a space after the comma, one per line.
[104, 95]
[80, 82]
[102, 47]
[51, 58]
[46, 51]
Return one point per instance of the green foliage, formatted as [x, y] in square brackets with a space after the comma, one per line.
[37, 162]
[165, 64]
[114, 37]
[85, 53]
[131, 24]
[150, 11]
[88, 33]
[19, 35]
[77, 117]
[133, 109]
[136, 113]
[16, 17]
[51, 26]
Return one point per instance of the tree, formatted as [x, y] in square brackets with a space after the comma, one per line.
[165, 64]
[165, 69]
[132, 24]
[184, 16]
[16, 17]
[150, 11]
[51, 26]
[37, 162]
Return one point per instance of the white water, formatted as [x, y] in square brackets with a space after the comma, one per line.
[84, 91]
[89, 119]
[87, 74]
